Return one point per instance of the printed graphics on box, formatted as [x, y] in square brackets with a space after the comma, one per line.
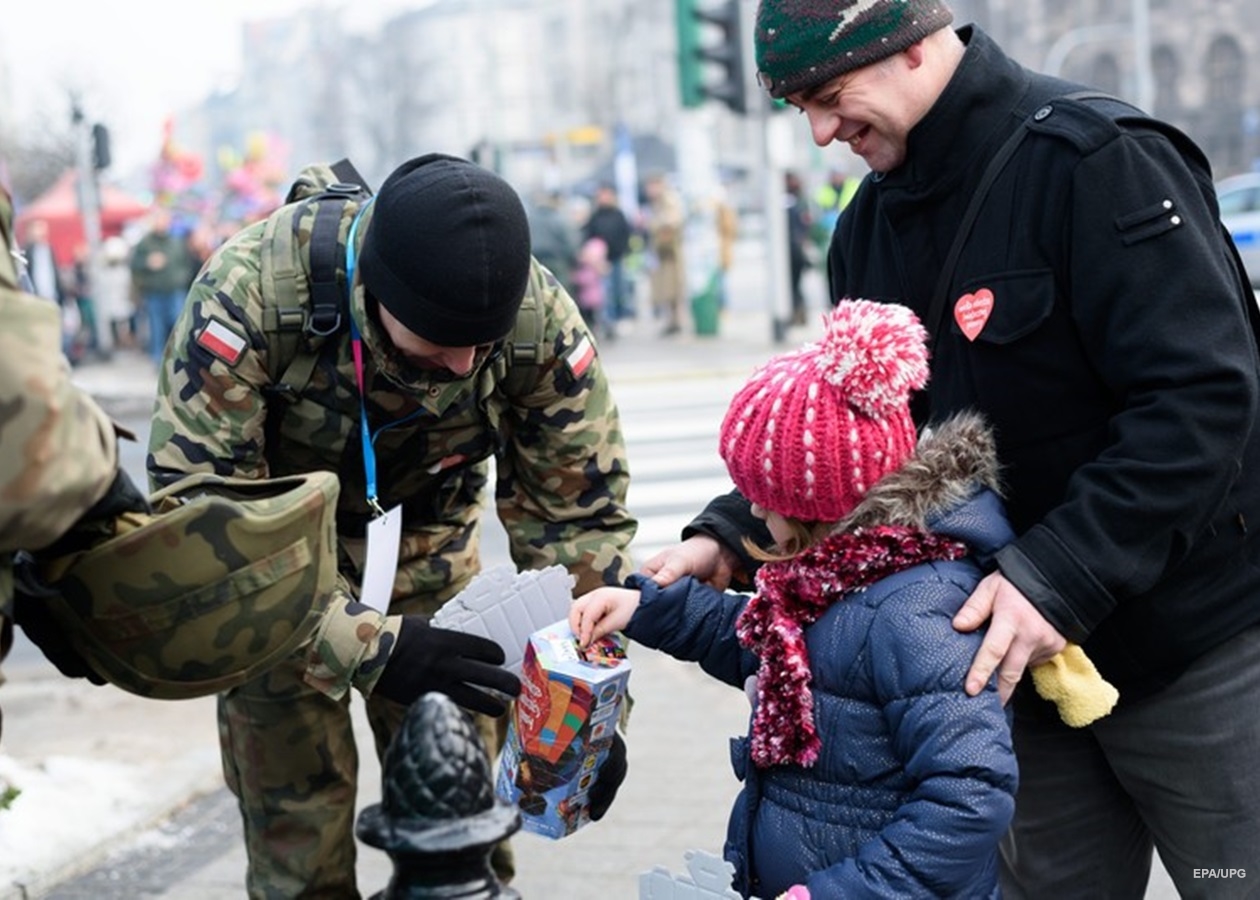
[561, 728]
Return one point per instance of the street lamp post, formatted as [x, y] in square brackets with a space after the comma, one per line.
[1138, 30]
[1142, 55]
[90, 213]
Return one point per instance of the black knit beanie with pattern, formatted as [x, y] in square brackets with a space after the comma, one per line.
[801, 44]
[447, 251]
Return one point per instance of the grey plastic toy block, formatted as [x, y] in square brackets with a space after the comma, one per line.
[508, 606]
[709, 879]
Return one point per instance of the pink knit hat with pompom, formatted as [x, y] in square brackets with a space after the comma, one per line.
[814, 429]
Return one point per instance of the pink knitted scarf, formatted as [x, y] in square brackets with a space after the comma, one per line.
[792, 595]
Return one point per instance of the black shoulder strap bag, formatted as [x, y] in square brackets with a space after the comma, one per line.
[936, 310]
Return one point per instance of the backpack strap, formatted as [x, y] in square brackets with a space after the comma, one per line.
[940, 293]
[527, 337]
[295, 332]
[1108, 102]
[523, 347]
[284, 318]
[326, 294]
[312, 181]
[514, 369]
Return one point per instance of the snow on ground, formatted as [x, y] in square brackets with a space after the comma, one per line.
[66, 808]
[94, 766]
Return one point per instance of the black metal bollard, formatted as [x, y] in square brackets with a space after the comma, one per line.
[438, 818]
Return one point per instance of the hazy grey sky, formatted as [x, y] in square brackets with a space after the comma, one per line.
[134, 62]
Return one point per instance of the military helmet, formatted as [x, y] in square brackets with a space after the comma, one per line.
[227, 578]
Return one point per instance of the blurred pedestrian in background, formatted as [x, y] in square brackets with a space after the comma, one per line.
[726, 219]
[41, 264]
[81, 294]
[800, 241]
[115, 294]
[665, 220]
[552, 235]
[163, 265]
[830, 200]
[590, 282]
[610, 224]
[47, 279]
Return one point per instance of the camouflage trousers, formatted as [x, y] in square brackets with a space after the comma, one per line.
[289, 756]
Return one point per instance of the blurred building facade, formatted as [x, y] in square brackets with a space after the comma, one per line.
[1204, 60]
[538, 88]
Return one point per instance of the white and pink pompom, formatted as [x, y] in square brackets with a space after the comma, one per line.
[874, 353]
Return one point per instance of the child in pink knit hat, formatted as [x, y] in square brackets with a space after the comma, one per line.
[867, 769]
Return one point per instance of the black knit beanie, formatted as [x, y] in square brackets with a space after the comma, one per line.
[447, 251]
[801, 44]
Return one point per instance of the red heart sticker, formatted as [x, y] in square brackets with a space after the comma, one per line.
[971, 312]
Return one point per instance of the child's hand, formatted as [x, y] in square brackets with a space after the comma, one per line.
[602, 611]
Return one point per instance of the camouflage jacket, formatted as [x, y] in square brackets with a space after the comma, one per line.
[60, 450]
[551, 427]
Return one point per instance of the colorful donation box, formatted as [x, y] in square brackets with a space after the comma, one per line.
[561, 727]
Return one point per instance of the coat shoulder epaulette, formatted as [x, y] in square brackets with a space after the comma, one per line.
[1092, 121]
[1087, 123]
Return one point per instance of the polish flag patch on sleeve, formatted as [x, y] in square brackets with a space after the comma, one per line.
[579, 359]
[222, 341]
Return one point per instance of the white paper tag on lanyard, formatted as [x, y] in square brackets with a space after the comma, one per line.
[383, 536]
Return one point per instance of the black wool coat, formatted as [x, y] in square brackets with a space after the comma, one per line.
[1115, 355]
[1099, 319]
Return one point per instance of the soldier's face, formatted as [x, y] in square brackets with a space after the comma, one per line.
[459, 361]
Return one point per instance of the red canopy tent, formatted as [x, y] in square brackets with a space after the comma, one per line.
[59, 207]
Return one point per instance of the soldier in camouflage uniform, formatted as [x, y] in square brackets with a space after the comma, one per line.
[60, 460]
[92, 573]
[469, 351]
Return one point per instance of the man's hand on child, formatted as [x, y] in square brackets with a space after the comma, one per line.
[700, 556]
[1018, 636]
[600, 612]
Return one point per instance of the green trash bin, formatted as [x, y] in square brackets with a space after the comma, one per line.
[704, 308]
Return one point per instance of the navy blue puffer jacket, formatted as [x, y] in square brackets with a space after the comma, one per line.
[915, 781]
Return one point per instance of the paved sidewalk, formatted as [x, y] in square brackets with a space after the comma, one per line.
[676, 798]
[100, 770]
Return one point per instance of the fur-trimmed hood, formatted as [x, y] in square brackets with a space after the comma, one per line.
[954, 463]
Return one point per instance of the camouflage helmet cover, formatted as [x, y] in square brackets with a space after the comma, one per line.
[226, 579]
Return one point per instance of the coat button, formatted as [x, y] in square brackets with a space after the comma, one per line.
[1043, 113]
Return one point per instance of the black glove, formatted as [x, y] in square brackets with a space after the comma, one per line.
[612, 772]
[31, 612]
[456, 664]
[98, 523]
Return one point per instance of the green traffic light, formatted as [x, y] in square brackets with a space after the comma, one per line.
[711, 38]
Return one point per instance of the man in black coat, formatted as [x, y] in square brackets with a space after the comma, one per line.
[1097, 314]
[608, 223]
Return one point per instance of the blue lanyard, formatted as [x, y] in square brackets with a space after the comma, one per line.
[356, 346]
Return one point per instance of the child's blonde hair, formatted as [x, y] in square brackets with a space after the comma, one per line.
[801, 536]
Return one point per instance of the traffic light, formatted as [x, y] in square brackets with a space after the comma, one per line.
[711, 37]
[101, 157]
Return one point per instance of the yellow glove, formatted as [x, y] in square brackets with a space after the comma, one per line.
[1070, 681]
